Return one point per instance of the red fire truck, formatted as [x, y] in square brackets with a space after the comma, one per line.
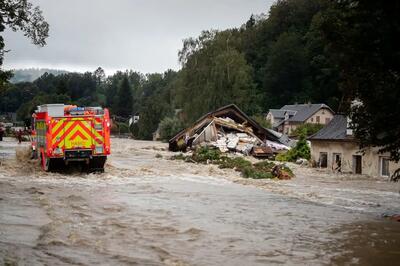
[67, 133]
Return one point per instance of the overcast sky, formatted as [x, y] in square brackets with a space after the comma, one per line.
[143, 35]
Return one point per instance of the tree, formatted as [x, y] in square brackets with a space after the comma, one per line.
[124, 99]
[155, 103]
[308, 129]
[99, 75]
[21, 15]
[300, 151]
[169, 127]
[215, 73]
[363, 38]
[286, 71]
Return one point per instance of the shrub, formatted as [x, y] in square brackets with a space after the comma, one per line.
[237, 163]
[204, 154]
[301, 150]
[169, 127]
[251, 172]
[119, 128]
[264, 166]
[134, 129]
[282, 157]
[307, 129]
[123, 128]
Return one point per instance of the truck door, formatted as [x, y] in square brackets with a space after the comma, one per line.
[77, 133]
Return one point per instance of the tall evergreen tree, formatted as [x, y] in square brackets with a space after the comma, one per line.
[124, 103]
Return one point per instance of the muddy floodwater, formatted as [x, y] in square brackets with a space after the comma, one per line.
[149, 210]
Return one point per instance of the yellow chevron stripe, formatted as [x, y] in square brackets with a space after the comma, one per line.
[59, 124]
[67, 125]
[78, 141]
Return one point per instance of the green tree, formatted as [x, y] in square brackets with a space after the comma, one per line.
[21, 15]
[286, 71]
[363, 39]
[99, 75]
[215, 73]
[301, 150]
[26, 110]
[155, 103]
[169, 127]
[124, 102]
[307, 129]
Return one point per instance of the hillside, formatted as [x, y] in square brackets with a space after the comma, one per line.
[30, 74]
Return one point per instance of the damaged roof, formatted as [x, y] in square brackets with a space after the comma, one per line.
[233, 112]
[336, 129]
[284, 139]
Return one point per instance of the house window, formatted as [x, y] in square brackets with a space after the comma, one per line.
[323, 160]
[323, 112]
[327, 120]
[317, 119]
[312, 119]
[384, 166]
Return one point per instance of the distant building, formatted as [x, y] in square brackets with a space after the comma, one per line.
[8, 117]
[134, 119]
[289, 117]
[335, 147]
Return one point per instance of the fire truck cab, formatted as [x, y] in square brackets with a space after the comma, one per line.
[67, 133]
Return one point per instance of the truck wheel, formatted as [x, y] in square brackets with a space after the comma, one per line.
[96, 164]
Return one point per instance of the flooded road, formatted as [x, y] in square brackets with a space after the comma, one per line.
[148, 210]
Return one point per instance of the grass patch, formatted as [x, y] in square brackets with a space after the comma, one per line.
[237, 163]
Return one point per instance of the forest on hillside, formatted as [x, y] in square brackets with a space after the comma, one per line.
[318, 51]
[30, 74]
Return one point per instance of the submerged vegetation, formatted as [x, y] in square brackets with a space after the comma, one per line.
[259, 170]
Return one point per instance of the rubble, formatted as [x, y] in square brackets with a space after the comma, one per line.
[302, 162]
[229, 130]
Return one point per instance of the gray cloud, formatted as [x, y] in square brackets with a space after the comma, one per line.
[143, 35]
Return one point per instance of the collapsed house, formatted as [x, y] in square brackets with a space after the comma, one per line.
[230, 130]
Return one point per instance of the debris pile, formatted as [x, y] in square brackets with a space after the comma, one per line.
[229, 130]
[229, 136]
